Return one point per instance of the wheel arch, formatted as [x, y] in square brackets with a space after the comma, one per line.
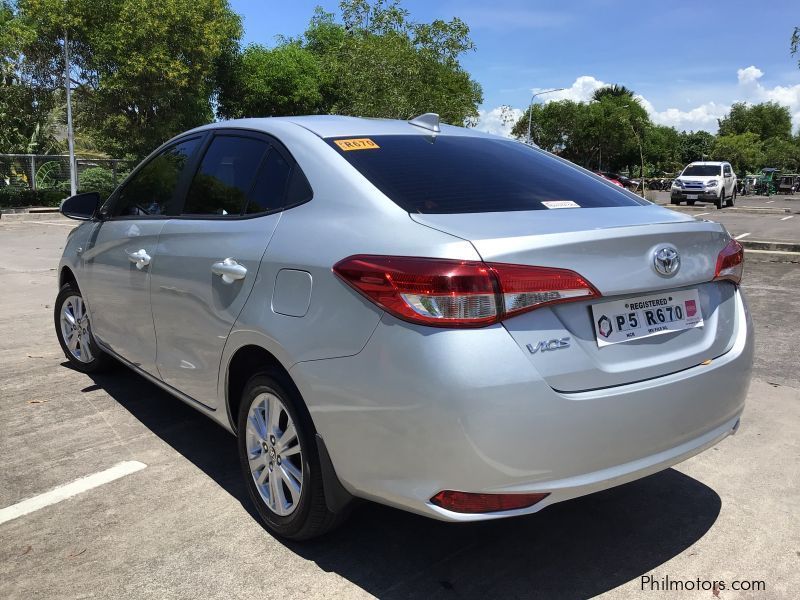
[250, 359]
[245, 362]
[66, 275]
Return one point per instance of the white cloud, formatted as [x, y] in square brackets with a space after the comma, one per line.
[581, 90]
[754, 91]
[701, 117]
[498, 120]
[749, 75]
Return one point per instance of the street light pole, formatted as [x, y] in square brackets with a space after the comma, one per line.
[530, 107]
[73, 175]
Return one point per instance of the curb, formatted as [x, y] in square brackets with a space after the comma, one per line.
[770, 246]
[768, 256]
[731, 210]
[14, 217]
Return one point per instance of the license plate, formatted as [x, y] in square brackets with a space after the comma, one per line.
[636, 318]
[691, 196]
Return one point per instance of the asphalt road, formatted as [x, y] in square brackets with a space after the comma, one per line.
[182, 527]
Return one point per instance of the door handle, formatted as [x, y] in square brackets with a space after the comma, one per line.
[229, 269]
[140, 258]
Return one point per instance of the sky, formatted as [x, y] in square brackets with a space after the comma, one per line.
[686, 61]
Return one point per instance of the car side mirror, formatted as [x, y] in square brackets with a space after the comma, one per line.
[81, 207]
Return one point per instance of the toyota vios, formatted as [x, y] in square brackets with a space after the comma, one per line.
[426, 316]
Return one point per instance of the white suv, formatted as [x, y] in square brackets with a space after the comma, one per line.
[711, 181]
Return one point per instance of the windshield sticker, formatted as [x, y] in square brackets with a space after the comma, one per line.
[560, 204]
[356, 144]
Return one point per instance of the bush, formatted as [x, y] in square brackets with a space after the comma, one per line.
[11, 197]
[97, 179]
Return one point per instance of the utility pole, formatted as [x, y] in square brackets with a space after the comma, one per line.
[73, 174]
[530, 108]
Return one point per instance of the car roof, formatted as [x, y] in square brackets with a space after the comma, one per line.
[332, 126]
[712, 163]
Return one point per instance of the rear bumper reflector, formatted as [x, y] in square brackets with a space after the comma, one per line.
[467, 502]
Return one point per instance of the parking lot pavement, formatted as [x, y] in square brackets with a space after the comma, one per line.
[181, 527]
[748, 226]
[774, 202]
[755, 218]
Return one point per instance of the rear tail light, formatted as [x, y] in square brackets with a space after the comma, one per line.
[730, 262]
[466, 502]
[456, 293]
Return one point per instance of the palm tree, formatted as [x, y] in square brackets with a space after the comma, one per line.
[612, 91]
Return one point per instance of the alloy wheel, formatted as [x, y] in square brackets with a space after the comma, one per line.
[75, 329]
[274, 454]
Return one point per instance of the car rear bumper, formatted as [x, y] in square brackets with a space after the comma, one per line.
[421, 410]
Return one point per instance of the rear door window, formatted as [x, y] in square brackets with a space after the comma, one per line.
[225, 177]
[455, 174]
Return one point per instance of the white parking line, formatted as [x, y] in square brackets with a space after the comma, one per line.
[701, 214]
[744, 235]
[769, 201]
[787, 218]
[69, 490]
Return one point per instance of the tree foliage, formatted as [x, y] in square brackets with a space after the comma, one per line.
[373, 61]
[744, 151]
[143, 70]
[767, 120]
[272, 81]
[695, 145]
[603, 134]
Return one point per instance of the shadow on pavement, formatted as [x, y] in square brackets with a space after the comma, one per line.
[575, 549]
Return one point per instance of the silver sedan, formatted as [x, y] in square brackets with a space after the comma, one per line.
[421, 315]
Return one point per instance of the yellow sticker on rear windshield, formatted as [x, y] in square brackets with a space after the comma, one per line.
[356, 144]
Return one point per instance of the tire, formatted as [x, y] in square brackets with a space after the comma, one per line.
[720, 201]
[674, 201]
[260, 439]
[74, 332]
[732, 200]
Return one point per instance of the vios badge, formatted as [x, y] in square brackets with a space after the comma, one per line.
[548, 345]
[666, 261]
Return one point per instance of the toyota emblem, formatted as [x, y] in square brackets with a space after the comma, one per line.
[666, 261]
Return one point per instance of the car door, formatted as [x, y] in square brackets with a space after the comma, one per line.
[209, 257]
[119, 254]
[728, 179]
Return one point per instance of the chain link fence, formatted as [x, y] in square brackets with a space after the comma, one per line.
[51, 172]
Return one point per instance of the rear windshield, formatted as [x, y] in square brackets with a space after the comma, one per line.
[702, 170]
[450, 174]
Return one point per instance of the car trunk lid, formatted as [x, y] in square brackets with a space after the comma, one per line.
[613, 248]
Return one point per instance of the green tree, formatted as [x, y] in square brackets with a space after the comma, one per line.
[767, 120]
[695, 145]
[143, 70]
[612, 91]
[373, 61]
[783, 154]
[744, 151]
[662, 149]
[602, 134]
[286, 80]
